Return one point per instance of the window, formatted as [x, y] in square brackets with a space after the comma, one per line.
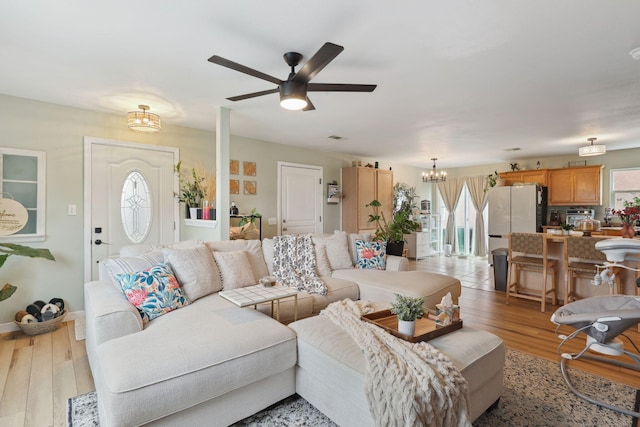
[625, 185]
[22, 174]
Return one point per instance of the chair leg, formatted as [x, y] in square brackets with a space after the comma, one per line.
[554, 297]
[543, 299]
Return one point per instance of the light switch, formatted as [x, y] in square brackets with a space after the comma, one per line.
[72, 210]
[272, 221]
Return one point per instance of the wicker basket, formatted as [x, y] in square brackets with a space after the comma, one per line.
[37, 328]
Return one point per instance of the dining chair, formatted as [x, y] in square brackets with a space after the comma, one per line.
[581, 258]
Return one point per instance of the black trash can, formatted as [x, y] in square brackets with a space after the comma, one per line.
[500, 268]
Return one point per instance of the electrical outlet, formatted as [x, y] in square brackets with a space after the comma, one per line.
[72, 210]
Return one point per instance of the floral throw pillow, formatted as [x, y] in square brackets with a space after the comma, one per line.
[154, 292]
[371, 255]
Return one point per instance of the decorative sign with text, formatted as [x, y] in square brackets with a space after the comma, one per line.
[13, 217]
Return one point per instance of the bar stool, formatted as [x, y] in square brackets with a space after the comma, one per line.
[583, 248]
[532, 248]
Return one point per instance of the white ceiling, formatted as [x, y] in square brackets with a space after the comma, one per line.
[461, 80]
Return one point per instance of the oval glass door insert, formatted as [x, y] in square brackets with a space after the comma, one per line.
[135, 207]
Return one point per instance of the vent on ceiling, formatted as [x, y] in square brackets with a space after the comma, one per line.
[336, 137]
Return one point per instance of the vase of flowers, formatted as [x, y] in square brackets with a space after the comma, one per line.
[629, 217]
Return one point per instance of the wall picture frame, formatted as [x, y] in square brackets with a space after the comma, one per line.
[249, 168]
[234, 186]
[250, 188]
[234, 167]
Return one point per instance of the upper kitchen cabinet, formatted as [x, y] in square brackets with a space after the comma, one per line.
[359, 187]
[575, 186]
[538, 176]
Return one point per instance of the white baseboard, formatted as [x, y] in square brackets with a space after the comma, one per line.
[11, 326]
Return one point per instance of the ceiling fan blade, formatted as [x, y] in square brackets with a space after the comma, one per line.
[309, 106]
[339, 87]
[243, 69]
[253, 95]
[322, 57]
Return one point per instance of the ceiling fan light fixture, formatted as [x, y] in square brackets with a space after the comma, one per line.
[591, 149]
[143, 121]
[293, 95]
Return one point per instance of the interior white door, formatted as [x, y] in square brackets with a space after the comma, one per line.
[300, 198]
[129, 198]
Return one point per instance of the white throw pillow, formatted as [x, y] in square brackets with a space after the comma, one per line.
[337, 249]
[129, 265]
[195, 269]
[235, 269]
[323, 265]
[253, 249]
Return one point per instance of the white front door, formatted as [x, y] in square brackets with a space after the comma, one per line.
[129, 198]
[300, 198]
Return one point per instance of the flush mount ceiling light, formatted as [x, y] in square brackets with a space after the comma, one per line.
[592, 150]
[434, 175]
[142, 121]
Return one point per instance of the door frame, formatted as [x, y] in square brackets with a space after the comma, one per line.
[89, 142]
[279, 192]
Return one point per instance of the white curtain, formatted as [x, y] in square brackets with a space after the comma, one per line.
[450, 191]
[477, 186]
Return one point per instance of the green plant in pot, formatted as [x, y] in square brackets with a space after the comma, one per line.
[9, 249]
[250, 222]
[392, 231]
[408, 309]
[566, 228]
[192, 191]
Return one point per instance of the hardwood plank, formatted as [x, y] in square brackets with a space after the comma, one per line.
[13, 420]
[64, 377]
[14, 398]
[84, 379]
[7, 347]
[40, 397]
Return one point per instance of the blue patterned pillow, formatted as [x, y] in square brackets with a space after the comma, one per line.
[154, 292]
[371, 255]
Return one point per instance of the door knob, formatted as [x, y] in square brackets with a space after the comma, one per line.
[100, 242]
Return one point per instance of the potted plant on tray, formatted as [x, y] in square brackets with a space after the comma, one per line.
[408, 309]
[566, 228]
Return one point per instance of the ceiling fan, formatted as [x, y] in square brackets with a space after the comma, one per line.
[293, 91]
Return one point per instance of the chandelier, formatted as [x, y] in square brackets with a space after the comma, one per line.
[434, 175]
[592, 150]
[142, 121]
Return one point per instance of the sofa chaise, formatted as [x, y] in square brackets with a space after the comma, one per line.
[211, 362]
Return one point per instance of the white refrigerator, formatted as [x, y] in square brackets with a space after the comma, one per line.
[515, 209]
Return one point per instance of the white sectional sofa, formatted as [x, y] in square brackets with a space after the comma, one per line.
[211, 362]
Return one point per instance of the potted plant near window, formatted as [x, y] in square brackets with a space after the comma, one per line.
[629, 217]
[408, 309]
[392, 231]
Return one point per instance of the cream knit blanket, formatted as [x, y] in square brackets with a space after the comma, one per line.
[407, 384]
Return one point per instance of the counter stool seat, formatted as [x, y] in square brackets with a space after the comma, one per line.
[531, 246]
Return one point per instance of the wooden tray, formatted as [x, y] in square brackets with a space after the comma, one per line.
[426, 329]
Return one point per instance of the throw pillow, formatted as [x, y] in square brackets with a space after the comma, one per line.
[371, 255]
[154, 292]
[337, 249]
[195, 269]
[235, 269]
[127, 265]
[253, 249]
[353, 237]
[323, 265]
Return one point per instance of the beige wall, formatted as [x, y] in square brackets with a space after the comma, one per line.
[59, 132]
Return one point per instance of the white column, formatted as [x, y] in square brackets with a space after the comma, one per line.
[223, 124]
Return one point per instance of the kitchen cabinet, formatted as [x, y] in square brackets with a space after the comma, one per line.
[580, 186]
[359, 187]
[538, 176]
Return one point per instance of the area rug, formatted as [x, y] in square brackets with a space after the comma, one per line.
[534, 395]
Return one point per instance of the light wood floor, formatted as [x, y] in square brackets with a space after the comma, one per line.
[38, 374]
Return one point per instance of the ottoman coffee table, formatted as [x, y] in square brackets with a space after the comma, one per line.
[331, 367]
